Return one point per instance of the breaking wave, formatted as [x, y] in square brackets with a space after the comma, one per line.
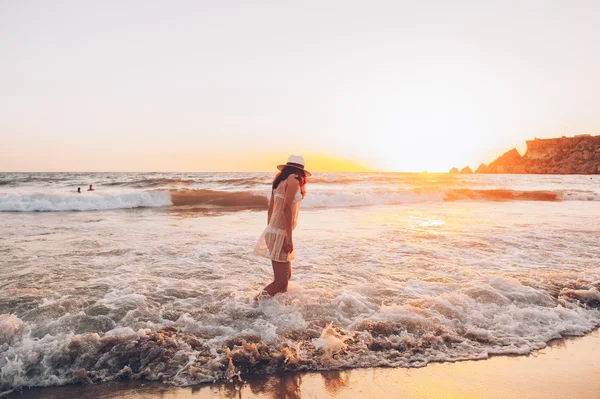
[82, 202]
[244, 200]
[154, 182]
[222, 199]
[176, 182]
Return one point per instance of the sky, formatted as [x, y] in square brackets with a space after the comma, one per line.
[240, 85]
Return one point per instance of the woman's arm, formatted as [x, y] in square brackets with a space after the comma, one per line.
[270, 212]
[290, 194]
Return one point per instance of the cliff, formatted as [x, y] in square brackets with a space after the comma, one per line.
[566, 155]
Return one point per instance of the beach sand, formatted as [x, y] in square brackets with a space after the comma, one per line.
[567, 368]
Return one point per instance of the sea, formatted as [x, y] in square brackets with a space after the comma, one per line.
[152, 275]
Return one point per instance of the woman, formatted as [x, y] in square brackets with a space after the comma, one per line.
[276, 241]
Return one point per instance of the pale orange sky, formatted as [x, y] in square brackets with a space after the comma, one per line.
[212, 86]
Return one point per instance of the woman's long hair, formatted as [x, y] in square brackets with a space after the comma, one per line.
[286, 172]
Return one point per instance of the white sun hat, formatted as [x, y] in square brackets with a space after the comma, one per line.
[295, 161]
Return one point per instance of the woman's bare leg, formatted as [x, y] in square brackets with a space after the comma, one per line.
[281, 271]
[280, 280]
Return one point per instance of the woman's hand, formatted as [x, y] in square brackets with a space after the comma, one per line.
[288, 245]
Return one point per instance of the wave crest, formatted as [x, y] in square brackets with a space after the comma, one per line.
[82, 202]
[244, 200]
[237, 199]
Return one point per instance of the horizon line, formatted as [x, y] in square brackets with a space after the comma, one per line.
[230, 171]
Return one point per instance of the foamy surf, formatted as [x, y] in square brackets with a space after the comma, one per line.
[53, 202]
[495, 317]
[254, 199]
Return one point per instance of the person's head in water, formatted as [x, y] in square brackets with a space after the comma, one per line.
[90, 189]
[79, 190]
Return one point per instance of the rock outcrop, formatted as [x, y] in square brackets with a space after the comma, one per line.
[509, 162]
[482, 168]
[566, 155]
[465, 170]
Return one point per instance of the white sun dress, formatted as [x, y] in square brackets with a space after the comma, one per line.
[270, 243]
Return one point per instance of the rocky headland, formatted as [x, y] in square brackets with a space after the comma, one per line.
[579, 155]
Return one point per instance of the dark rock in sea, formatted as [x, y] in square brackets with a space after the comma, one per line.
[565, 155]
[454, 170]
[466, 170]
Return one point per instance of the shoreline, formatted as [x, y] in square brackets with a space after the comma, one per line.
[568, 367]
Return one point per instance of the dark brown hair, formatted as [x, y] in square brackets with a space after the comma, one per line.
[286, 172]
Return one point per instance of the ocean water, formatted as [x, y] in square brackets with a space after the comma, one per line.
[152, 275]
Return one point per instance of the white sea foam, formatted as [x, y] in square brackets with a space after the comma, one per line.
[341, 199]
[352, 197]
[10, 327]
[82, 202]
[497, 316]
[580, 196]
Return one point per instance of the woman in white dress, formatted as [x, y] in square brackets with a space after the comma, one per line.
[276, 242]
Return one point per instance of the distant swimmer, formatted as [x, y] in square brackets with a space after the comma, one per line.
[90, 189]
[78, 190]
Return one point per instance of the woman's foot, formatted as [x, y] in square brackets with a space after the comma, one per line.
[261, 295]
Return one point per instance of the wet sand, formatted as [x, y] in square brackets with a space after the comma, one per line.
[567, 368]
